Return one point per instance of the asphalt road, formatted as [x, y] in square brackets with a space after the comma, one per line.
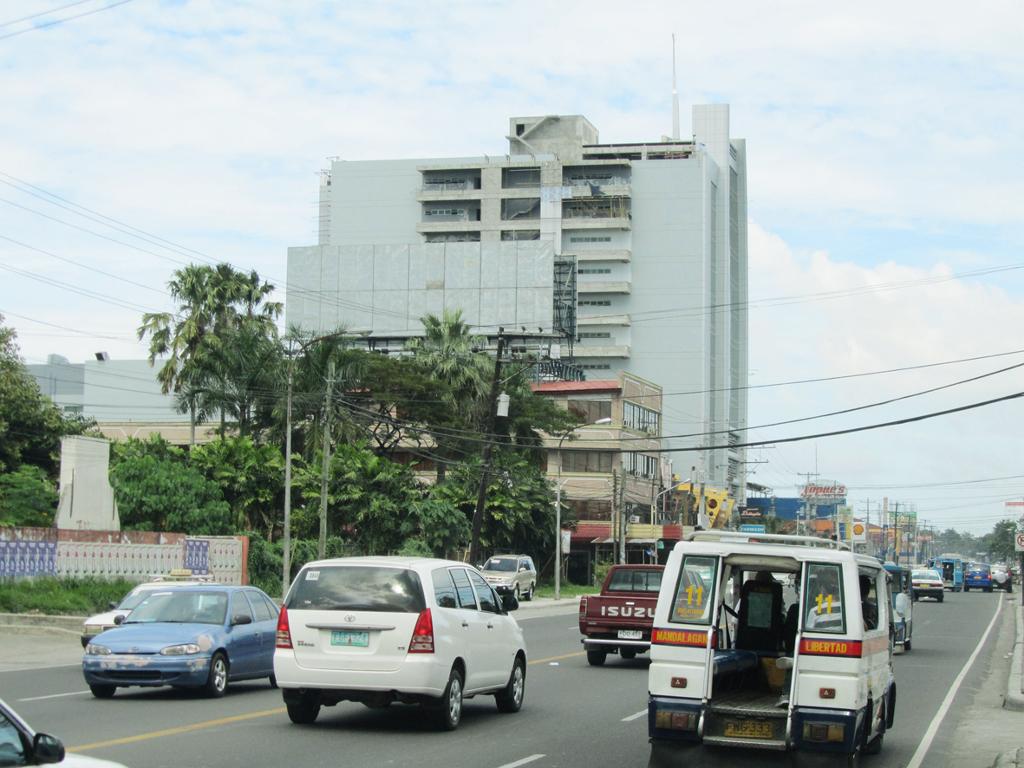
[574, 715]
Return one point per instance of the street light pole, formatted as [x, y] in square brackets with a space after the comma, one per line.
[558, 507]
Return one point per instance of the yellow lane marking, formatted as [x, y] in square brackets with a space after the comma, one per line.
[556, 658]
[178, 730]
[233, 719]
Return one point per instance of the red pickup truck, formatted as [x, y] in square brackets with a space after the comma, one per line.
[619, 620]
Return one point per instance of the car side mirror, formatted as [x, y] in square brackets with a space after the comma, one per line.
[242, 618]
[509, 602]
[47, 749]
[111, 605]
[119, 619]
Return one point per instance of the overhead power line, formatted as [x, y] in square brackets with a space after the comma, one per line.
[55, 22]
[44, 13]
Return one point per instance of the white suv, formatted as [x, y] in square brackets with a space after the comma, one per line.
[382, 629]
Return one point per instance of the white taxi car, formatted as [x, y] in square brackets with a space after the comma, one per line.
[382, 629]
[732, 665]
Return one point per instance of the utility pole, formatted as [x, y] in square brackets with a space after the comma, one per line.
[321, 548]
[485, 458]
[808, 506]
[286, 558]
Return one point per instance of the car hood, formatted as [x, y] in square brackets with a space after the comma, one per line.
[151, 638]
[499, 575]
[71, 760]
[105, 619]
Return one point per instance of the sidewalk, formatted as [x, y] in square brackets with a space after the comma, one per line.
[1015, 683]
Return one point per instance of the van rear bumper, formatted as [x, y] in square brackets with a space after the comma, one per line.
[817, 729]
[674, 719]
[419, 674]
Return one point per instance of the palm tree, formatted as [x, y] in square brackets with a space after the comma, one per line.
[212, 301]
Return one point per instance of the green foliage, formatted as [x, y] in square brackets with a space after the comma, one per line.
[72, 597]
[519, 507]
[30, 424]
[250, 477]
[265, 564]
[27, 497]
[999, 543]
[601, 572]
[436, 526]
[156, 490]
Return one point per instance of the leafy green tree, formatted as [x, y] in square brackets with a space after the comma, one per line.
[999, 543]
[519, 510]
[27, 497]
[31, 426]
[250, 477]
[212, 302]
[156, 490]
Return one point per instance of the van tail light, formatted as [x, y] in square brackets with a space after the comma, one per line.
[284, 632]
[423, 635]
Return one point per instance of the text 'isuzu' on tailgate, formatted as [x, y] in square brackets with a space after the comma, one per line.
[619, 620]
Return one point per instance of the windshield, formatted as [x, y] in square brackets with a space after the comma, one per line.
[980, 567]
[500, 564]
[181, 608]
[133, 599]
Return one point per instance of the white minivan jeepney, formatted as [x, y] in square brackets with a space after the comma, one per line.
[771, 642]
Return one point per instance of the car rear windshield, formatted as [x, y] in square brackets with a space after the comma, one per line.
[628, 580]
[981, 567]
[925, 575]
[357, 588]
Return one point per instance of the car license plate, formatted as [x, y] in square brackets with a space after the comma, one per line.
[749, 729]
[350, 639]
[630, 634]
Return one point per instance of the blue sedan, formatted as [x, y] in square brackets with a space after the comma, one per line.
[978, 576]
[189, 637]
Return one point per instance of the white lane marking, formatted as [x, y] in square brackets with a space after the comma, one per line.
[55, 696]
[933, 727]
[637, 716]
[524, 761]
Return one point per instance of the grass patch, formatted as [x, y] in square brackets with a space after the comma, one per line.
[72, 597]
[568, 590]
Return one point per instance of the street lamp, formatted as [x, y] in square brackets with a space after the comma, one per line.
[558, 504]
[673, 487]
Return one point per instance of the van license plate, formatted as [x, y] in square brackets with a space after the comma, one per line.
[350, 639]
[748, 729]
[630, 634]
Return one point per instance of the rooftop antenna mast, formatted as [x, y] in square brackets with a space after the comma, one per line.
[675, 94]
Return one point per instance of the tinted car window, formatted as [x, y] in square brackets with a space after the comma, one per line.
[272, 607]
[484, 593]
[260, 611]
[635, 581]
[463, 588]
[357, 588]
[240, 606]
[444, 589]
[504, 564]
[12, 750]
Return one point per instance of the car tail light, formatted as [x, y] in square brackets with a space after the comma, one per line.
[583, 607]
[284, 633]
[423, 635]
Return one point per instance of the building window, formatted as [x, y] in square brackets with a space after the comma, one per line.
[640, 465]
[520, 234]
[591, 410]
[452, 237]
[640, 418]
[517, 178]
[596, 335]
[596, 303]
[591, 509]
[595, 366]
[519, 208]
[452, 214]
[590, 239]
[586, 461]
[594, 271]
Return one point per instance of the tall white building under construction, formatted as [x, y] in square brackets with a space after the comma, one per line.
[636, 252]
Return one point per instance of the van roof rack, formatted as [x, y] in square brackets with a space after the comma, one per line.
[766, 538]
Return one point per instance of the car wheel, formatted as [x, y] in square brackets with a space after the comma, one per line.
[966, 588]
[516, 593]
[103, 691]
[595, 658]
[448, 709]
[627, 653]
[906, 644]
[529, 594]
[217, 681]
[510, 698]
[941, 598]
[304, 710]
[273, 680]
[988, 589]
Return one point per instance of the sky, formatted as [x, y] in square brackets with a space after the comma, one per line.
[886, 183]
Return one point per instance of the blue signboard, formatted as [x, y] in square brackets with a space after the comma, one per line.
[750, 528]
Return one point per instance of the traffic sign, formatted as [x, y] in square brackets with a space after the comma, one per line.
[1018, 542]
[750, 528]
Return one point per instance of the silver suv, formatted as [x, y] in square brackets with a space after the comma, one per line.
[512, 573]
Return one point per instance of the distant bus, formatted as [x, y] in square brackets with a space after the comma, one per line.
[951, 566]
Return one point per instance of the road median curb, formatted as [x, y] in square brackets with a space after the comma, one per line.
[38, 621]
[1015, 683]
